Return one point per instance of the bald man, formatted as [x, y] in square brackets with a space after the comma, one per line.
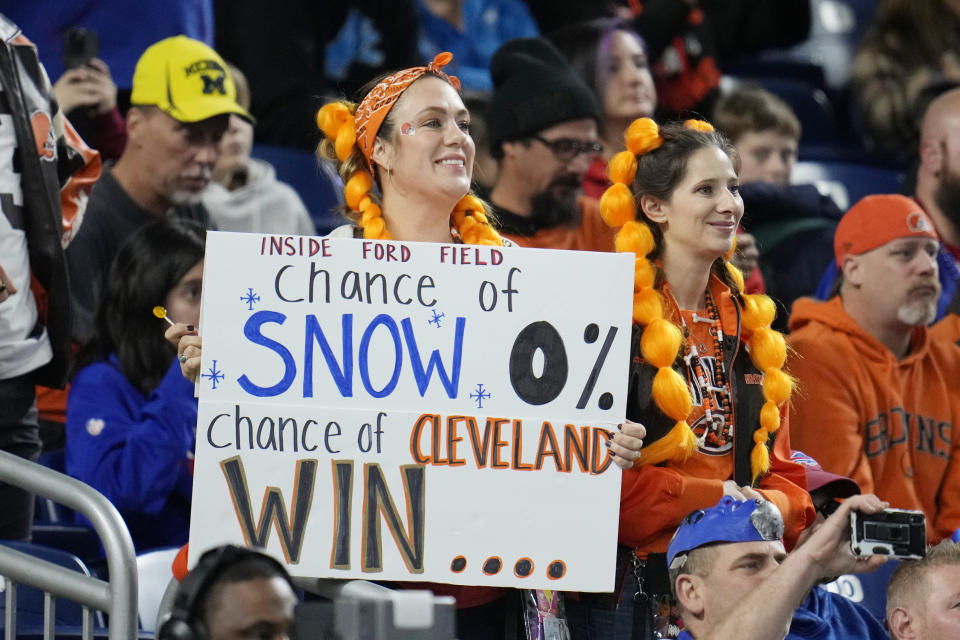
[938, 175]
[938, 180]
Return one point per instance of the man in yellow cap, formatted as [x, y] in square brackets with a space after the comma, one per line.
[181, 101]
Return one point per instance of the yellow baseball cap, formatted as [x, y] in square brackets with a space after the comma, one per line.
[186, 79]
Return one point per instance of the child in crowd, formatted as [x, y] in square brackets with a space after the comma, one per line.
[245, 194]
[131, 415]
[793, 224]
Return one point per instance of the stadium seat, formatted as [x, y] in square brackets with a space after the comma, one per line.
[73, 537]
[835, 32]
[810, 104]
[854, 180]
[30, 601]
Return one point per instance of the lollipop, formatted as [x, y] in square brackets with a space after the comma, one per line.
[161, 313]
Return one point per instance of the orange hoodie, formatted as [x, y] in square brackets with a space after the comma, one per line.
[947, 329]
[884, 422]
[592, 234]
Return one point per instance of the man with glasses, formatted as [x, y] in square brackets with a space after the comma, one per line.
[181, 101]
[543, 124]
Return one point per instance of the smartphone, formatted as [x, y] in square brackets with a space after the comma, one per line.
[898, 533]
[79, 47]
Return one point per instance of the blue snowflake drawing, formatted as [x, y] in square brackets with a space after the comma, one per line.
[435, 320]
[214, 375]
[480, 395]
[250, 298]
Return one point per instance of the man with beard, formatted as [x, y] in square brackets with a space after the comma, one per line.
[543, 131]
[181, 101]
[877, 397]
[938, 188]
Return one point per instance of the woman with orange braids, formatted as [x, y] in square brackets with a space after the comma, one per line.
[706, 377]
[410, 135]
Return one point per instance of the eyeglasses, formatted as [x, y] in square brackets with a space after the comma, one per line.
[566, 149]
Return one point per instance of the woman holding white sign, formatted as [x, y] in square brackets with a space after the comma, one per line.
[706, 376]
[410, 135]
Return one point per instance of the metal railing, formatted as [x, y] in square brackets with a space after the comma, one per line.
[118, 597]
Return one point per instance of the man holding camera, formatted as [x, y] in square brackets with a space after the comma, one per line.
[877, 398]
[733, 579]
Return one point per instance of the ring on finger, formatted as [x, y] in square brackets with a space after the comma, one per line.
[183, 358]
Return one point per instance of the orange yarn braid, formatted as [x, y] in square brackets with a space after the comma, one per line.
[662, 339]
[336, 121]
[338, 126]
[470, 219]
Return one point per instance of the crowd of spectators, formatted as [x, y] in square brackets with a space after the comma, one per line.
[592, 131]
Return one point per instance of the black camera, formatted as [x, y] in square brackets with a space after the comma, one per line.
[897, 533]
[80, 46]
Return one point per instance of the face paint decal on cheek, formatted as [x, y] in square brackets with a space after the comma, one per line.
[407, 129]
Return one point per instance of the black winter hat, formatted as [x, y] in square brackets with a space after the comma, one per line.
[534, 88]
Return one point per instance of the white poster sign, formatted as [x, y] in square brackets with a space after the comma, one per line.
[412, 411]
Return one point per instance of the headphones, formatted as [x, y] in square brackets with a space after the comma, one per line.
[182, 623]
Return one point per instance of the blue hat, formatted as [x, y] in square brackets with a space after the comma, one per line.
[729, 521]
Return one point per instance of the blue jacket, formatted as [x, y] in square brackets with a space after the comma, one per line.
[120, 45]
[136, 450]
[487, 24]
[829, 616]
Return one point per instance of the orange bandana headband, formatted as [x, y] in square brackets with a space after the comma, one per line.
[374, 109]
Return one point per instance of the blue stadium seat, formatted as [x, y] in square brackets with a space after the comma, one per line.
[835, 32]
[816, 113]
[317, 184]
[67, 613]
[857, 179]
[72, 537]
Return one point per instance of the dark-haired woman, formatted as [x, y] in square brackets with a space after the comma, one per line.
[705, 377]
[131, 414]
[612, 59]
